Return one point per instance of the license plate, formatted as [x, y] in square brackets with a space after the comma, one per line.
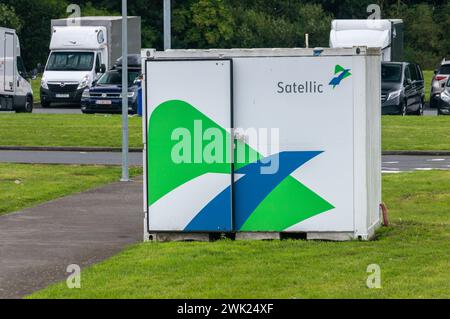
[104, 102]
[63, 96]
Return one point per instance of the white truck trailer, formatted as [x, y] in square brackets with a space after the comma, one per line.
[80, 54]
[15, 90]
[262, 143]
[384, 34]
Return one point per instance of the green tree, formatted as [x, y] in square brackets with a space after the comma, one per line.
[35, 17]
[424, 36]
[88, 9]
[204, 24]
[8, 18]
[312, 19]
[256, 29]
[238, 23]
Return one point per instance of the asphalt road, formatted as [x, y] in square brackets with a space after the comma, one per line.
[403, 163]
[391, 164]
[84, 158]
[57, 109]
[430, 112]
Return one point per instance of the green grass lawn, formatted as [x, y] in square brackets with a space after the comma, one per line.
[414, 256]
[25, 185]
[67, 130]
[36, 85]
[399, 133]
[416, 133]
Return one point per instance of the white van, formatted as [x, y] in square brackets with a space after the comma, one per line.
[80, 54]
[15, 90]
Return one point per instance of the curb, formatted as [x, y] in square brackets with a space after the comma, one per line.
[68, 149]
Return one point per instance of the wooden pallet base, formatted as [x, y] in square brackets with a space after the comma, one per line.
[208, 237]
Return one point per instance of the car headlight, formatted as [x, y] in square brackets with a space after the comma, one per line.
[84, 82]
[394, 94]
[130, 94]
[445, 96]
[86, 94]
[44, 83]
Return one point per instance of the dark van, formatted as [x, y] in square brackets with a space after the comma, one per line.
[402, 88]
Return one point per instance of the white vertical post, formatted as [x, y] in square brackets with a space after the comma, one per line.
[307, 40]
[167, 25]
[125, 172]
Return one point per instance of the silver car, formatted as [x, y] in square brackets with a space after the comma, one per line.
[441, 76]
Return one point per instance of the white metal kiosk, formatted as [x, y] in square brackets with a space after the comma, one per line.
[263, 141]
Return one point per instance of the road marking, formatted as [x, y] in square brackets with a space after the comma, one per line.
[424, 169]
[436, 160]
[391, 162]
[391, 172]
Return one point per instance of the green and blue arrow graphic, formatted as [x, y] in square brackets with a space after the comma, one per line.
[340, 74]
[263, 202]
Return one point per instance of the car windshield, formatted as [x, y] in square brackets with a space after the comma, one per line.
[115, 78]
[70, 61]
[391, 73]
[444, 69]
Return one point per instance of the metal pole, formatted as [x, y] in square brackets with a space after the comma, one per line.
[167, 25]
[125, 173]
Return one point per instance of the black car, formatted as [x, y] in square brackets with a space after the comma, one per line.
[402, 88]
[444, 100]
[105, 95]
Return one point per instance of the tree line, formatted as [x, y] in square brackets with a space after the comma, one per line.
[239, 23]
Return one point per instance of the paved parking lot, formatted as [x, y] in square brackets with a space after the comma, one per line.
[57, 110]
[407, 163]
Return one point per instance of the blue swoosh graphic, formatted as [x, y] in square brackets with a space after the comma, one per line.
[254, 187]
[337, 80]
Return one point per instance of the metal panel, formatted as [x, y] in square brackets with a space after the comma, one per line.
[9, 62]
[308, 185]
[397, 43]
[189, 108]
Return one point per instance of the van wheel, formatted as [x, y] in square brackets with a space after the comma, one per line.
[28, 107]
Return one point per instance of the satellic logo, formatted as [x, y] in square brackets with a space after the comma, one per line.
[313, 87]
[340, 74]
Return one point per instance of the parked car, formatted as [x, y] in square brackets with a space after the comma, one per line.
[402, 88]
[441, 76]
[105, 95]
[444, 100]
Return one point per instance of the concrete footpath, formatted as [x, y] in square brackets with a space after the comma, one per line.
[37, 244]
